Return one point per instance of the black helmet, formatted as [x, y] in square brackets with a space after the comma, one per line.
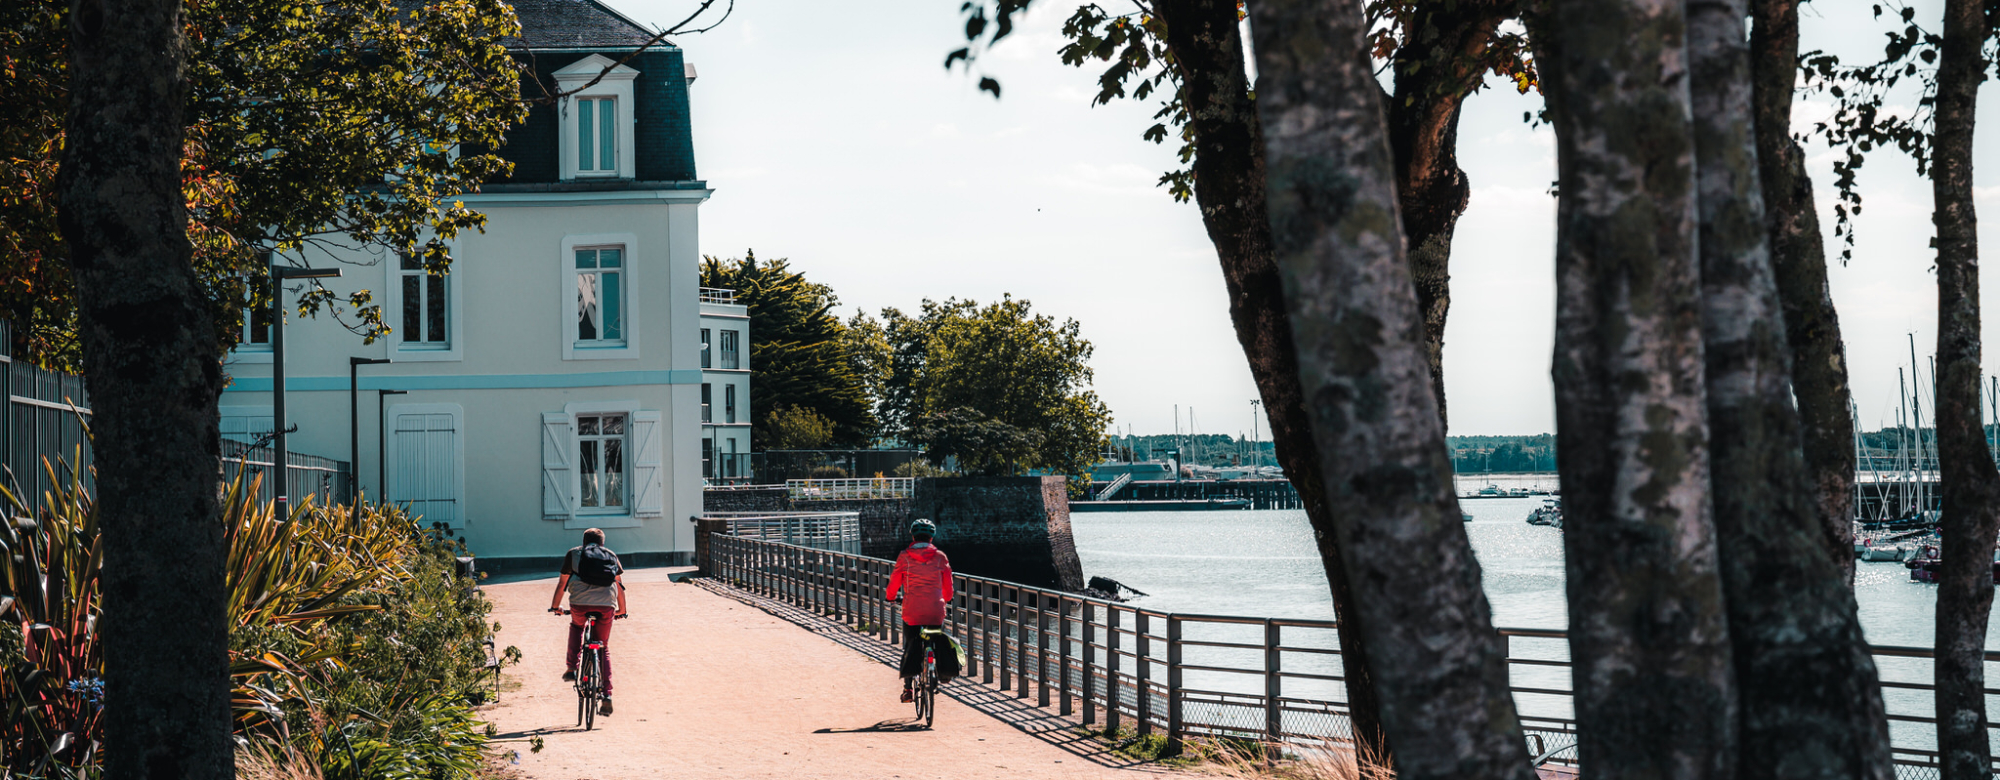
[923, 527]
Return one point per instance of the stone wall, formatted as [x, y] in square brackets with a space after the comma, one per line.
[1009, 528]
[752, 499]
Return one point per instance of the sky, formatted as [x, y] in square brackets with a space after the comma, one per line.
[833, 137]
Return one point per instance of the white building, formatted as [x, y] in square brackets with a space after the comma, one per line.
[554, 377]
[725, 388]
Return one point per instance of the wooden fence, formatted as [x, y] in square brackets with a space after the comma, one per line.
[1186, 675]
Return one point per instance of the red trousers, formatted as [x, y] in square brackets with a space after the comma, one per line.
[601, 634]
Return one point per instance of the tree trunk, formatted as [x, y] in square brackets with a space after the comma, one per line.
[1423, 133]
[1649, 637]
[1807, 696]
[1440, 669]
[1798, 257]
[1229, 188]
[1969, 484]
[153, 377]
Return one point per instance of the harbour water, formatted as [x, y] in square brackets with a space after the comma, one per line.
[1264, 563]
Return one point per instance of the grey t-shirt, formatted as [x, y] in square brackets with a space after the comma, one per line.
[584, 594]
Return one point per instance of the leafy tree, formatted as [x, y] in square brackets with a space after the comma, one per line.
[797, 428]
[999, 386]
[310, 128]
[871, 355]
[798, 355]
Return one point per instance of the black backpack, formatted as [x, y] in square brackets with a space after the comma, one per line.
[596, 566]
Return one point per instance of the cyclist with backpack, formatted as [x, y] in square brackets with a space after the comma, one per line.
[923, 576]
[591, 576]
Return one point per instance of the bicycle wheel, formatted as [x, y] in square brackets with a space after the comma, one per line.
[588, 693]
[927, 693]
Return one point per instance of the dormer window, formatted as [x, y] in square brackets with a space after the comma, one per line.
[596, 118]
[597, 136]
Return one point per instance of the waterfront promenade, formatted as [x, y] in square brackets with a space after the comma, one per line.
[711, 686]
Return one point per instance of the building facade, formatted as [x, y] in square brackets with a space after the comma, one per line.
[551, 381]
[725, 388]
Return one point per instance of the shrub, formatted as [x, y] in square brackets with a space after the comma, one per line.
[920, 468]
[827, 472]
[354, 646]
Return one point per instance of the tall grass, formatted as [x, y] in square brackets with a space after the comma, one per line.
[354, 647]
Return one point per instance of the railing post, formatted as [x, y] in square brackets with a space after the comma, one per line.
[1042, 648]
[1174, 722]
[986, 606]
[1000, 629]
[1142, 628]
[1111, 664]
[1062, 654]
[1088, 655]
[1021, 643]
[1274, 726]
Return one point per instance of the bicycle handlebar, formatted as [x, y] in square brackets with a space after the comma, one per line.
[619, 616]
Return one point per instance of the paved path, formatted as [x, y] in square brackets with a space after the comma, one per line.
[710, 685]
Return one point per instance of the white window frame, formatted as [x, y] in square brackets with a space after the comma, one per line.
[566, 266]
[391, 455]
[617, 85]
[730, 355]
[454, 348]
[247, 352]
[631, 516]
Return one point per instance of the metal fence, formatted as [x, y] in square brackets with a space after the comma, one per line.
[845, 489]
[47, 420]
[327, 479]
[1269, 679]
[782, 465]
[835, 531]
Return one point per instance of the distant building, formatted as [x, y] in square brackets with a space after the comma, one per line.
[725, 388]
[554, 376]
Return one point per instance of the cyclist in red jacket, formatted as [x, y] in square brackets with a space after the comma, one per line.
[923, 576]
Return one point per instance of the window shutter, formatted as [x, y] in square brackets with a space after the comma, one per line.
[648, 483]
[558, 476]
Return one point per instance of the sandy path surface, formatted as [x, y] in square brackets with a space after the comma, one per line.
[711, 686]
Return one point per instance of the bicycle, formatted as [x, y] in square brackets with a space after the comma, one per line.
[589, 674]
[926, 685]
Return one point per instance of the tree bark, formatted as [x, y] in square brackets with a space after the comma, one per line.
[1649, 637]
[1440, 669]
[1807, 695]
[1229, 188]
[1423, 134]
[153, 376]
[1970, 486]
[1798, 257]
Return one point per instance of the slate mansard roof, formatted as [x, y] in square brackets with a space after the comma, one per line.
[554, 25]
[556, 33]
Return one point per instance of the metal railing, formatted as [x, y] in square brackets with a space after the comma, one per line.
[718, 295]
[324, 478]
[835, 531]
[1270, 679]
[44, 429]
[841, 489]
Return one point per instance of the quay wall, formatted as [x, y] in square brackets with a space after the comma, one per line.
[1011, 528]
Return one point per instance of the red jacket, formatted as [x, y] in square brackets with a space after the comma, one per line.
[923, 575]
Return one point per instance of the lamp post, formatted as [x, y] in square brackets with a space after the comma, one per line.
[281, 462]
[1256, 439]
[382, 442]
[354, 430]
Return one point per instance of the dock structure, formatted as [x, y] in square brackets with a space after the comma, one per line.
[1261, 493]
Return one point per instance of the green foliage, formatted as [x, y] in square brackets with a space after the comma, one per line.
[796, 428]
[1000, 387]
[919, 468]
[1869, 111]
[354, 647]
[798, 356]
[827, 472]
[311, 127]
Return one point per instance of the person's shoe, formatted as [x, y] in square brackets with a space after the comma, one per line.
[569, 676]
[605, 708]
[908, 695]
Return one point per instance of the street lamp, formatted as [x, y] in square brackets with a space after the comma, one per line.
[1256, 446]
[382, 442]
[282, 461]
[354, 430]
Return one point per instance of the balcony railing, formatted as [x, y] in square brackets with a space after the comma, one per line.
[838, 489]
[718, 295]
